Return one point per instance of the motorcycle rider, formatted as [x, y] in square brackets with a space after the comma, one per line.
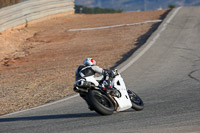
[89, 68]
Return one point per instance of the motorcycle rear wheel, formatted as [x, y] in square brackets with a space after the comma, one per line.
[137, 102]
[102, 104]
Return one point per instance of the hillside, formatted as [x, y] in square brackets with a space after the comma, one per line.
[133, 5]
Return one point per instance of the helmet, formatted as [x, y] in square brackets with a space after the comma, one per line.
[89, 62]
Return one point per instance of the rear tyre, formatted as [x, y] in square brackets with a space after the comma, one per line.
[100, 102]
[137, 102]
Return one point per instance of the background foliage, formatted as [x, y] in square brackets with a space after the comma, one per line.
[96, 10]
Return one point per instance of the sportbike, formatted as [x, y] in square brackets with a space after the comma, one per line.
[105, 102]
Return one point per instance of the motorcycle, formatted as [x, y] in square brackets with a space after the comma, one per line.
[98, 97]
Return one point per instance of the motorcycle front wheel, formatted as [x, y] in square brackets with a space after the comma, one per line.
[137, 102]
[102, 104]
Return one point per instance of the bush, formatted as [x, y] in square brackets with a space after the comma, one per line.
[172, 6]
[96, 10]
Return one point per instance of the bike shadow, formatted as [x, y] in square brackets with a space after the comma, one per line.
[49, 117]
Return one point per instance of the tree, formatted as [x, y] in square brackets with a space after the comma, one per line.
[171, 6]
[96, 10]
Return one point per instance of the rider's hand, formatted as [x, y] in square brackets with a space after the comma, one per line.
[113, 73]
[106, 75]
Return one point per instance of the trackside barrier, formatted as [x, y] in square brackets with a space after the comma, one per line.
[32, 9]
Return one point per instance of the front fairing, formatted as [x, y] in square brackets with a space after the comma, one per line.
[124, 101]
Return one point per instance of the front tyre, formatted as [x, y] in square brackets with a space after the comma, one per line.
[137, 102]
[100, 102]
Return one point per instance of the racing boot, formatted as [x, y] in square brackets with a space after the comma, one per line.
[87, 101]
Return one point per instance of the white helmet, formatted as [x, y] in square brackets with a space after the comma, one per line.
[89, 62]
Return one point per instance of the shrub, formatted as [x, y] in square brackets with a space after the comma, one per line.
[172, 6]
[96, 10]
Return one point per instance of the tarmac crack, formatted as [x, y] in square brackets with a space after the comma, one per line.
[193, 77]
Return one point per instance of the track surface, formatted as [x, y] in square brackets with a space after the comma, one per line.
[167, 77]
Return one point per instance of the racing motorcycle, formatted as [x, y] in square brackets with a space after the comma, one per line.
[108, 96]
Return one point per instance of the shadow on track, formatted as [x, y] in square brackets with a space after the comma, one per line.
[48, 117]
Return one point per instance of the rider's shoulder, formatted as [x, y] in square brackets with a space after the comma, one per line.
[83, 67]
[80, 67]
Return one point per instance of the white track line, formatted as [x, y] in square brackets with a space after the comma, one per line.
[44, 105]
[114, 26]
[121, 70]
[151, 43]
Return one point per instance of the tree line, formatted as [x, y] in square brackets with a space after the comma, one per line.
[4, 3]
[96, 10]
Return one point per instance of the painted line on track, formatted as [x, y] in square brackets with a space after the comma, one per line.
[121, 70]
[150, 43]
[44, 105]
[115, 26]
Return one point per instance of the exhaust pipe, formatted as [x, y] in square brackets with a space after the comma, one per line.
[82, 86]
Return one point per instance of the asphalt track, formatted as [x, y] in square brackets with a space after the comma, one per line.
[166, 76]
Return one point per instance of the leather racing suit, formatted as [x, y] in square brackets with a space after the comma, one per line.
[85, 71]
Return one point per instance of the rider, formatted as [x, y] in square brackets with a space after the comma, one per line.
[89, 68]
